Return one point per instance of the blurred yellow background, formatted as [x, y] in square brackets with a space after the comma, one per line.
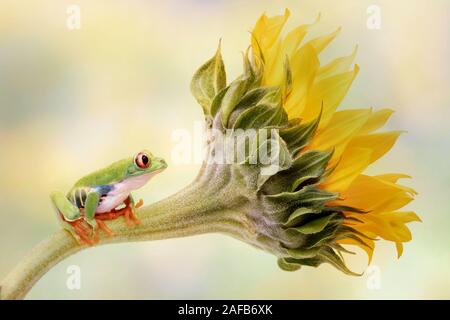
[72, 101]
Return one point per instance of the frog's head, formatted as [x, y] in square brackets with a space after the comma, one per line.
[144, 163]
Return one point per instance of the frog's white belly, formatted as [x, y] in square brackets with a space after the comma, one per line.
[111, 202]
[120, 192]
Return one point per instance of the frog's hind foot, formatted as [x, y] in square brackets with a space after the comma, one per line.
[102, 217]
[83, 232]
[104, 227]
[129, 213]
[130, 217]
[111, 215]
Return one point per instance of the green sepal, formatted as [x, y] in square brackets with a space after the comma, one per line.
[253, 97]
[328, 234]
[297, 134]
[258, 108]
[306, 197]
[315, 225]
[284, 162]
[260, 116]
[252, 72]
[301, 253]
[208, 81]
[286, 265]
[309, 165]
[306, 169]
[331, 257]
[298, 214]
[217, 101]
[311, 262]
[231, 98]
[339, 248]
[343, 209]
[283, 156]
[354, 237]
[287, 83]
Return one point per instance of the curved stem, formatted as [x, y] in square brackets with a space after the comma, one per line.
[186, 213]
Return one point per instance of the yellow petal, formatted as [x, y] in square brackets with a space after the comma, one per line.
[408, 216]
[376, 121]
[399, 232]
[393, 178]
[393, 225]
[274, 66]
[342, 127]
[329, 92]
[295, 37]
[336, 66]
[348, 168]
[267, 31]
[374, 195]
[384, 226]
[399, 247]
[320, 43]
[304, 65]
[379, 143]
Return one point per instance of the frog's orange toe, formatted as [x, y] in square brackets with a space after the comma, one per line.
[130, 217]
[83, 231]
[128, 212]
[139, 204]
[104, 227]
[126, 215]
[134, 218]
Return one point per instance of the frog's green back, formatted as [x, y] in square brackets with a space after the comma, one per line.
[108, 175]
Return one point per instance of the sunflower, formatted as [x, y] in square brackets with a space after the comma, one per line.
[314, 91]
[318, 198]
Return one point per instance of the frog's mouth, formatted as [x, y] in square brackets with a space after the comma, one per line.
[136, 182]
[157, 171]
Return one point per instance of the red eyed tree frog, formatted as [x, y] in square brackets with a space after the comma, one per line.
[97, 196]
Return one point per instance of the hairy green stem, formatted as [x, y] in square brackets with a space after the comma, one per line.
[188, 212]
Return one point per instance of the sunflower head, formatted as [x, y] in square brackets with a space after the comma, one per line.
[317, 200]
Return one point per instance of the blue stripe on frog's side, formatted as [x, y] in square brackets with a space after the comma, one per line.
[78, 195]
[104, 190]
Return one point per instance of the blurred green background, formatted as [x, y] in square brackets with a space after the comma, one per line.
[75, 100]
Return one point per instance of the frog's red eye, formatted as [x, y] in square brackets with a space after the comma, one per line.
[142, 160]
